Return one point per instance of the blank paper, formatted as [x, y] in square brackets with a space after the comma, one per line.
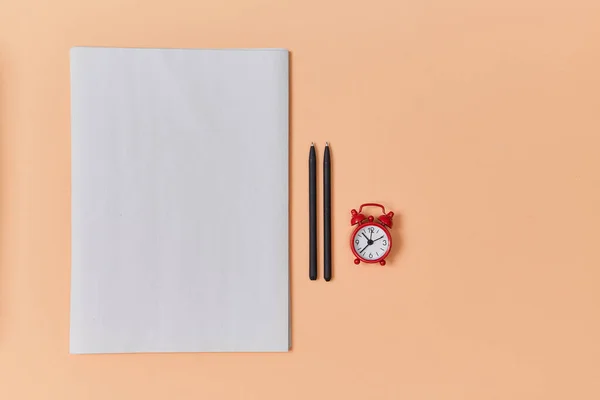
[179, 200]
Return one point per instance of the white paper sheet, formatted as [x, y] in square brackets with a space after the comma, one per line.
[179, 200]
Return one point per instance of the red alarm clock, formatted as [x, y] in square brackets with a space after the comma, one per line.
[371, 241]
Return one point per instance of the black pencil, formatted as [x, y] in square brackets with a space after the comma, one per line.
[312, 212]
[327, 214]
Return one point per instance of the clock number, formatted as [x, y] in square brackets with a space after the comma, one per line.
[357, 241]
[371, 230]
[385, 242]
[370, 255]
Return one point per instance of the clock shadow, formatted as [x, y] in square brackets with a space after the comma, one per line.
[398, 240]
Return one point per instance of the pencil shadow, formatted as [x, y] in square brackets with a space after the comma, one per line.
[331, 209]
[4, 159]
[290, 223]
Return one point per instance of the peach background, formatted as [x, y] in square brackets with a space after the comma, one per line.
[476, 120]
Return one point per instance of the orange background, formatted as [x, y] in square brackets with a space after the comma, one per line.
[477, 121]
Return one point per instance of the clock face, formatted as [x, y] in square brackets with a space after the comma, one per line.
[371, 242]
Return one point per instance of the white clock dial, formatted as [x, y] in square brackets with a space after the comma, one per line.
[371, 242]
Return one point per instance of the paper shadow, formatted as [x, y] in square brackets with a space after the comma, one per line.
[290, 201]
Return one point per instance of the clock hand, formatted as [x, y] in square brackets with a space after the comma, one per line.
[365, 235]
[379, 238]
[363, 249]
[371, 236]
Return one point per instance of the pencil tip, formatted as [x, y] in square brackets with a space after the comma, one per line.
[312, 143]
[327, 144]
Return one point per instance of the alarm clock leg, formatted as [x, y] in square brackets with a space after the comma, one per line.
[356, 261]
[382, 262]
